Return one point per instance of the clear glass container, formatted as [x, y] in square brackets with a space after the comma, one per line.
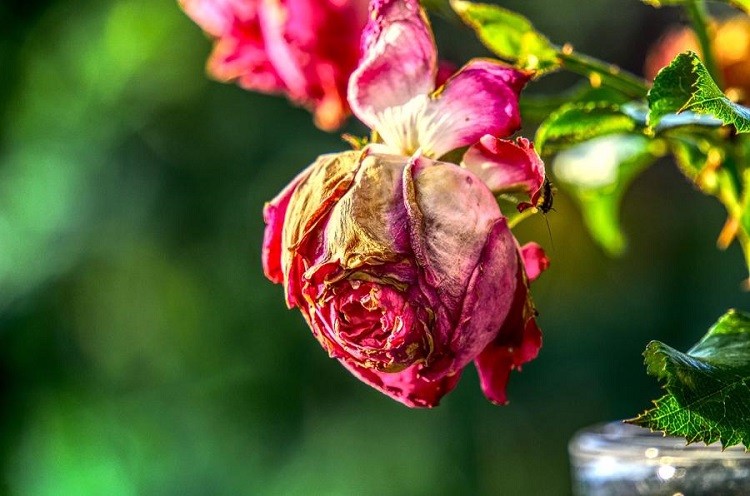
[618, 459]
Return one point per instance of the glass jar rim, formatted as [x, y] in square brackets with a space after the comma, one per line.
[624, 441]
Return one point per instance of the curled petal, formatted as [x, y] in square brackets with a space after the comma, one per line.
[489, 296]
[399, 63]
[408, 386]
[274, 213]
[535, 261]
[329, 178]
[506, 166]
[518, 342]
[481, 98]
[368, 225]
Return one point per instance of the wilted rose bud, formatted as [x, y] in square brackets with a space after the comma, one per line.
[406, 271]
[731, 45]
[305, 49]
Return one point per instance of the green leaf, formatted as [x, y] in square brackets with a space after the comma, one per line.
[578, 122]
[597, 174]
[536, 108]
[509, 35]
[698, 159]
[740, 4]
[685, 84]
[513, 38]
[708, 388]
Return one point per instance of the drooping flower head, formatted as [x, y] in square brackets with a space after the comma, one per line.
[305, 49]
[402, 264]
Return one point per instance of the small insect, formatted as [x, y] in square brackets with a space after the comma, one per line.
[544, 202]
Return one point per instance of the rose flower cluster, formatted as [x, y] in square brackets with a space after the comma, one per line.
[304, 49]
[401, 261]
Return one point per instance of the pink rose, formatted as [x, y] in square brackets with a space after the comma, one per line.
[305, 49]
[405, 270]
[402, 263]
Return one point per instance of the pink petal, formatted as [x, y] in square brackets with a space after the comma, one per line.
[273, 18]
[233, 59]
[535, 261]
[407, 386]
[217, 17]
[482, 98]
[518, 342]
[305, 49]
[451, 214]
[489, 296]
[505, 166]
[399, 64]
[240, 49]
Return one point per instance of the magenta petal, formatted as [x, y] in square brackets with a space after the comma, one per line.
[399, 61]
[534, 260]
[505, 166]
[481, 98]
[447, 236]
[518, 342]
[287, 64]
[407, 386]
[489, 295]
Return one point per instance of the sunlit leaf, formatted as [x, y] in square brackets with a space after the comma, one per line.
[509, 35]
[579, 122]
[685, 84]
[597, 174]
[708, 388]
[639, 112]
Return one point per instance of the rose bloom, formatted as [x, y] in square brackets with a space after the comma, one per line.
[731, 44]
[401, 262]
[304, 49]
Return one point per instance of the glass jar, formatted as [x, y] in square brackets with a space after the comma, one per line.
[618, 459]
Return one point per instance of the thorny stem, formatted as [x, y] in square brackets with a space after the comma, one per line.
[597, 71]
[602, 73]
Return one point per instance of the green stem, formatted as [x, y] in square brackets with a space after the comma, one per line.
[516, 219]
[696, 10]
[744, 241]
[606, 74]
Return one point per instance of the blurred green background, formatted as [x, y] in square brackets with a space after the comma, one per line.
[142, 352]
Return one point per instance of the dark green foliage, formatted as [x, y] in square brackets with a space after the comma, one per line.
[685, 84]
[708, 388]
